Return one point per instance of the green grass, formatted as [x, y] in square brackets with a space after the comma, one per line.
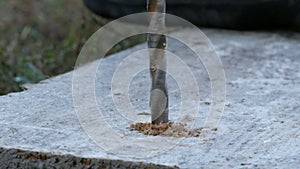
[42, 38]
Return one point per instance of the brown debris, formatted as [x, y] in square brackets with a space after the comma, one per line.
[169, 129]
[207, 103]
[144, 113]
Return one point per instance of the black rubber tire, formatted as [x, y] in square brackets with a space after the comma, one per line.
[232, 14]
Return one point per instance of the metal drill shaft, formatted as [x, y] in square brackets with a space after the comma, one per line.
[158, 65]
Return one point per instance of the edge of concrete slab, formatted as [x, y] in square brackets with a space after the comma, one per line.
[16, 158]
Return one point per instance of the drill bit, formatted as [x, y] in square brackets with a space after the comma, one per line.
[157, 44]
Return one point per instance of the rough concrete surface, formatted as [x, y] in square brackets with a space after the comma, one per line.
[260, 126]
[16, 158]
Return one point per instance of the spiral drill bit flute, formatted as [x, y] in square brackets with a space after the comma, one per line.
[156, 45]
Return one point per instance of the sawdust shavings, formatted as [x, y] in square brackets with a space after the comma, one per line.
[169, 129]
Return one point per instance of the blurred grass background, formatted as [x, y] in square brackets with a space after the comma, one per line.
[42, 38]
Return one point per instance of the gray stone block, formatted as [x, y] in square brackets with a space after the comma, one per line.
[260, 126]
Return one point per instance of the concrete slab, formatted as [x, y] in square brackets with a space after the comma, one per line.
[260, 127]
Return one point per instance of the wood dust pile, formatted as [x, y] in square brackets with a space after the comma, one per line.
[166, 129]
